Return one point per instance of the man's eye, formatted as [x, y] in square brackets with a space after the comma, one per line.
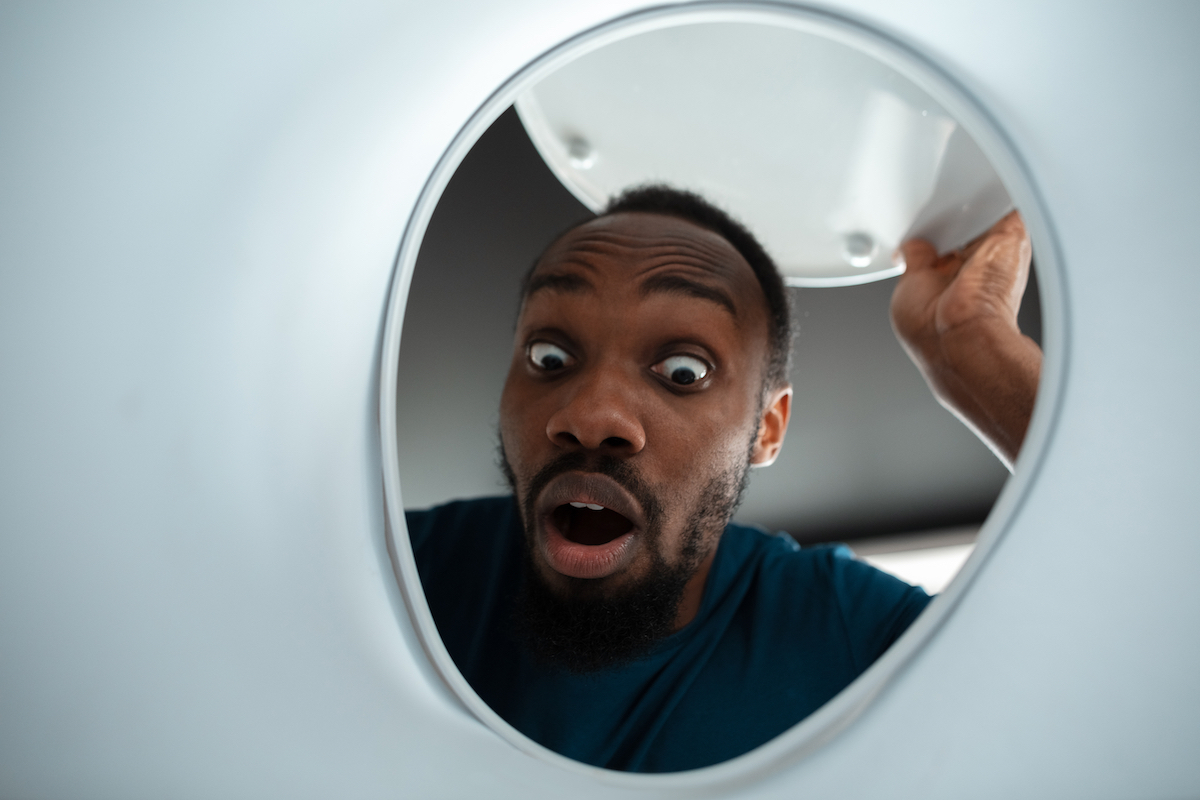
[683, 370]
[548, 356]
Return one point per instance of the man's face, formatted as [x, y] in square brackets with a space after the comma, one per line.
[634, 395]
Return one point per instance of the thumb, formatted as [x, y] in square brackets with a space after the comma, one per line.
[917, 254]
[916, 292]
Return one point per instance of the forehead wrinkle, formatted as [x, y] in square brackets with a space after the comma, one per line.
[654, 256]
[609, 240]
[650, 250]
[686, 262]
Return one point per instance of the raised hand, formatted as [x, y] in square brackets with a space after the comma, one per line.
[956, 316]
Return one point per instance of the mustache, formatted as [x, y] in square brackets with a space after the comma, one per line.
[617, 469]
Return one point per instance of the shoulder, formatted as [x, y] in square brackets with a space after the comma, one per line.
[460, 517]
[774, 556]
[825, 586]
[465, 551]
[777, 556]
[467, 554]
[456, 535]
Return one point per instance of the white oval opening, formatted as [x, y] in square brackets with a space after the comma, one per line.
[450, 318]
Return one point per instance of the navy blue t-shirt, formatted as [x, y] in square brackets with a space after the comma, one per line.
[781, 630]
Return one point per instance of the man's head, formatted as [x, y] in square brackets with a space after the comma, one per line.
[648, 373]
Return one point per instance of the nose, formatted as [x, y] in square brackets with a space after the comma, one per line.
[600, 412]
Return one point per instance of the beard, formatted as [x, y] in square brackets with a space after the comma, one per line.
[593, 625]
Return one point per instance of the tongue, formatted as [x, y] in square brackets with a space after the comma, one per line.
[584, 526]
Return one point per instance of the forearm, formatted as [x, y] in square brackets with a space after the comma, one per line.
[987, 374]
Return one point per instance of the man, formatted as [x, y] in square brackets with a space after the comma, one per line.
[608, 609]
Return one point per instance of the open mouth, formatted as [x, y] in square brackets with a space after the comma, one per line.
[590, 523]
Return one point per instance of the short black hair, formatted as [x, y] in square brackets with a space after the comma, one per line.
[657, 198]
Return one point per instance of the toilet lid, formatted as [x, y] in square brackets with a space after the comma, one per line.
[827, 154]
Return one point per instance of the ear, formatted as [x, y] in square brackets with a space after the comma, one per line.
[772, 427]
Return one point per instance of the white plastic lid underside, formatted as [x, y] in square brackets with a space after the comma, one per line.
[830, 157]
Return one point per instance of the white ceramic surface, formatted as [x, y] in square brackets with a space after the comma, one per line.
[827, 153]
[202, 208]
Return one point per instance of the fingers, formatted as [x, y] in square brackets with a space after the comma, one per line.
[1010, 223]
[916, 292]
[1009, 226]
[918, 253]
[1004, 251]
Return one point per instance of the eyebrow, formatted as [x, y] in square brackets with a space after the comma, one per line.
[558, 282]
[678, 284]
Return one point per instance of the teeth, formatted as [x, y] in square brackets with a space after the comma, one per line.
[578, 505]
[592, 506]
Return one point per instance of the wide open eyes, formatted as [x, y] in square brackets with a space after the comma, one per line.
[682, 370]
[549, 357]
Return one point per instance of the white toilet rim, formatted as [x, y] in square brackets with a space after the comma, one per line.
[840, 712]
